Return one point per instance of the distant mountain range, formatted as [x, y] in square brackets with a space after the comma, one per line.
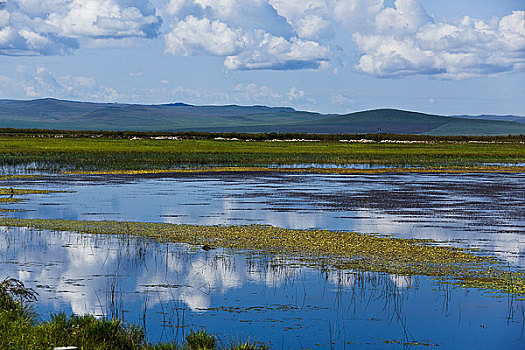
[68, 115]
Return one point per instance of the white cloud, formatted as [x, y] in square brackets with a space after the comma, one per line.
[105, 18]
[249, 93]
[136, 74]
[341, 99]
[250, 35]
[275, 34]
[4, 79]
[193, 36]
[407, 41]
[310, 18]
[295, 94]
[29, 27]
[357, 14]
[270, 52]
[42, 82]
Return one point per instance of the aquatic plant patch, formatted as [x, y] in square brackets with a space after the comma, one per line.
[322, 248]
[9, 195]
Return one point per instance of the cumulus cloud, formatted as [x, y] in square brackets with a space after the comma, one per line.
[392, 41]
[250, 35]
[275, 34]
[271, 52]
[193, 36]
[310, 18]
[54, 27]
[405, 40]
[105, 18]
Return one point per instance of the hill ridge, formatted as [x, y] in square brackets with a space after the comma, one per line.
[48, 113]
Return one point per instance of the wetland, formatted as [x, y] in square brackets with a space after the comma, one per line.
[349, 255]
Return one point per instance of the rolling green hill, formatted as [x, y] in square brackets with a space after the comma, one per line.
[69, 115]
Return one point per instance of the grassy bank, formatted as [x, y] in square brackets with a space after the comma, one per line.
[323, 248]
[20, 329]
[76, 153]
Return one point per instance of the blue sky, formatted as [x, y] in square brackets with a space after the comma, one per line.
[332, 56]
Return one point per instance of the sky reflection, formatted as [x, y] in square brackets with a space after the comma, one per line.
[171, 288]
[468, 210]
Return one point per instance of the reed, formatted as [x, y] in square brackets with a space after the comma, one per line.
[74, 153]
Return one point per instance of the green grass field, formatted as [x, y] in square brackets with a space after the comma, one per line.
[125, 154]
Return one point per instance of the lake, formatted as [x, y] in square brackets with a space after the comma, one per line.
[172, 288]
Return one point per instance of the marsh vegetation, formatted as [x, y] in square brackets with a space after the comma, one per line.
[79, 153]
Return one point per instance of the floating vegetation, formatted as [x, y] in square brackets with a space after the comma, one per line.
[7, 195]
[322, 248]
[21, 191]
[7, 177]
[9, 200]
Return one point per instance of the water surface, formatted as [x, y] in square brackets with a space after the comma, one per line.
[485, 211]
[172, 288]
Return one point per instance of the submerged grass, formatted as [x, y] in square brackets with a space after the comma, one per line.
[345, 250]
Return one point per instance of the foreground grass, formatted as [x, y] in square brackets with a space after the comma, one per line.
[345, 250]
[125, 154]
[19, 329]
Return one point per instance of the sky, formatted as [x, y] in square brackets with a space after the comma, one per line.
[330, 56]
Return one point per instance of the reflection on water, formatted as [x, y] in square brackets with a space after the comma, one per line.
[171, 288]
[485, 211]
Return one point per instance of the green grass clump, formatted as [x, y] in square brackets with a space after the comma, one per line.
[200, 341]
[19, 329]
[86, 332]
[345, 250]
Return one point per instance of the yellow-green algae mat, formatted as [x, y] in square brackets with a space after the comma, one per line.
[344, 250]
[7, 195]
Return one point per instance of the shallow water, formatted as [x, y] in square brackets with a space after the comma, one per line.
[172, 288]
[485, 211]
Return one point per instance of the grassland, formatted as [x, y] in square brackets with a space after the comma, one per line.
[327, 249]
[80, 153]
